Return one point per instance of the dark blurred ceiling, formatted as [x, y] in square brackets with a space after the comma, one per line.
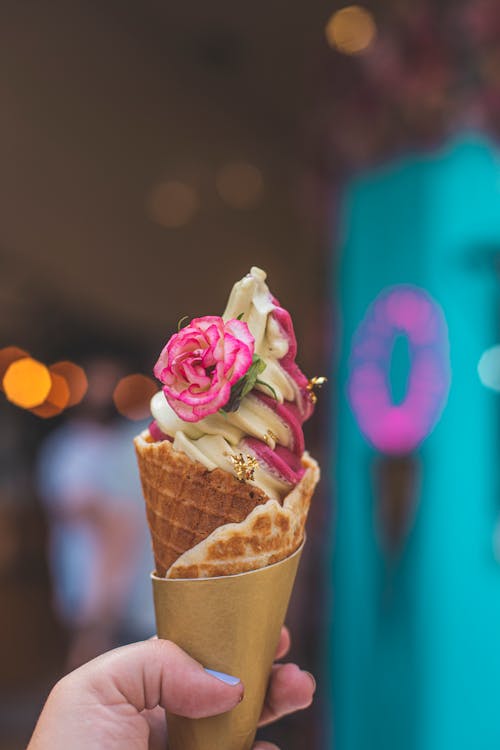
[102, 100]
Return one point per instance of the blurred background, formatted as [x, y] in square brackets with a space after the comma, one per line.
[151, 153]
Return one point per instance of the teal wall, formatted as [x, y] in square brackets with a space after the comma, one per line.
[415, 645]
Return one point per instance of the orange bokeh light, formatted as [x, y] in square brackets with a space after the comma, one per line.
[75, 377]
[57, 399]
[27, 383]
[8, 355]
[351, 30]
[132, 396]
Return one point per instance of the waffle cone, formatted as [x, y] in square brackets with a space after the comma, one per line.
[270, 533]
[207, 523]
[185, 502]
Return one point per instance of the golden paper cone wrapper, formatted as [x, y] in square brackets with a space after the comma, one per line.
[231, 624]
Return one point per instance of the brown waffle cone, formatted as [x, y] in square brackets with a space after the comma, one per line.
[270, 533]
[185, 502]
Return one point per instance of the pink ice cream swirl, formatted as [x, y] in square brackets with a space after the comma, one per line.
[285, 462]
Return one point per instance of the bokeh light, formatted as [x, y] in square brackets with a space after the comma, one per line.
[8, 355]
[133, 394]
[172, 204]
[57, 398]
[27, 383]
[240, 184]
[75, 377]
[351, 29]
[488, 368]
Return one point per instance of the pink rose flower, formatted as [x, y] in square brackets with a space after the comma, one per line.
[201, 362]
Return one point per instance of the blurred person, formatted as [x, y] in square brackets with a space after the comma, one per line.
[99, 548]
[118, 700]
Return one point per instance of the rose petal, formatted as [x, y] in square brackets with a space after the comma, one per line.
[161, 363]
[183, 411]
[195, 374]
[184, 342]
[208, 359]
[213, 332]
[240, 330]
[207, 321]
[220, 400]
[215, 338]
[238, 357]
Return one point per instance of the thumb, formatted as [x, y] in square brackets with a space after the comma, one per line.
[157, 673]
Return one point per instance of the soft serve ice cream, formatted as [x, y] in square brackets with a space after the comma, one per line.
[233, 396]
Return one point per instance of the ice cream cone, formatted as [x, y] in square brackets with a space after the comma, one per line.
[231, 624]
[228, 486]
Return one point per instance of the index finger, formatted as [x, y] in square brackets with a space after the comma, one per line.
[284, 643]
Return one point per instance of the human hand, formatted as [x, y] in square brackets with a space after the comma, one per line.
[117, 701]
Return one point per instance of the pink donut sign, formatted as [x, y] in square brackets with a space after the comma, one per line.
[399, 428]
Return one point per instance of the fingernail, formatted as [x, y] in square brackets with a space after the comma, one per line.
[227, 678]
[312, 680]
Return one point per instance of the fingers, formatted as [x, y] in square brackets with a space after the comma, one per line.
[158, 673]
[157, 728]
[265, 746]
[284, 643]
[290, 689]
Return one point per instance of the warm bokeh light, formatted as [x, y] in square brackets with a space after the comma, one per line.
[172, 204]
[57, 399]
[133, 394]
[351, 29]
[75, 377]
[488, 368]
[27, 383]
[8, 355]
[240, 184]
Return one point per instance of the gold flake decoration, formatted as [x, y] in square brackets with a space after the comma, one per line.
[270, 438]
[244, 466]
[313, 383]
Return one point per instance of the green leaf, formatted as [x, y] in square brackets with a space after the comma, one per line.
[240, 316]
[245, 384]
[269, 387]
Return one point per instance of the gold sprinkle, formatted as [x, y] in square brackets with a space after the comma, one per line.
[313, 383]
[270, 438]
[244, 466]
